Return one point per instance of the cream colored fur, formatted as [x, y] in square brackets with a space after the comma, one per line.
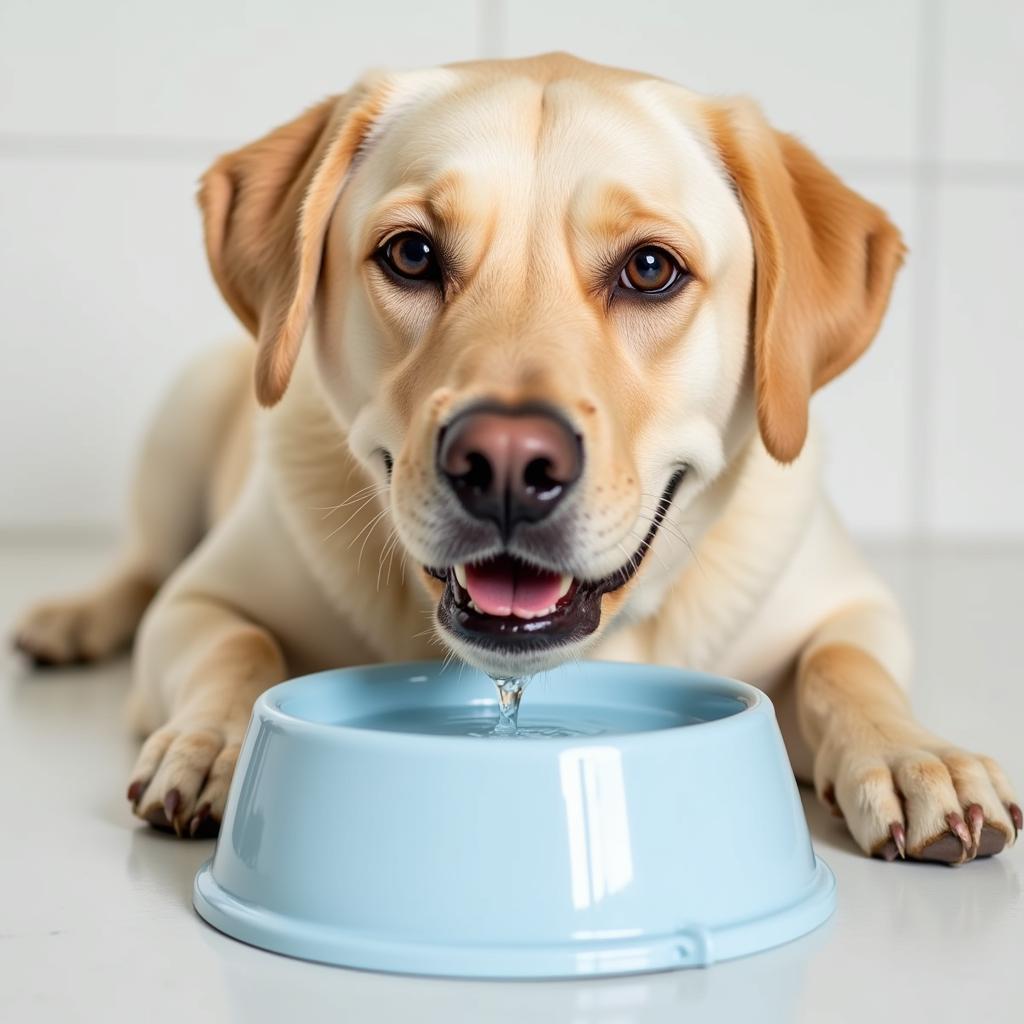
[278, 545]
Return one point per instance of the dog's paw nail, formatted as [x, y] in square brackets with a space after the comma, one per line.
[899, 838]
[975, 822]
[135, 791]
[171, 803]
[1017, 817]
[887, 851]
[959, 828]
[895, 846]
[154, 814]
[198, 820]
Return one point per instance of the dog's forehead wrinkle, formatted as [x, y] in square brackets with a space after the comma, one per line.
[516, 122]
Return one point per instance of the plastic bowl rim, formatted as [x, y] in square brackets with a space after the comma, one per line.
[757, 702]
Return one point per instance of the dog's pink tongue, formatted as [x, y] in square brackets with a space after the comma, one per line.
[536, 591]
[492, 586]
[505, 587]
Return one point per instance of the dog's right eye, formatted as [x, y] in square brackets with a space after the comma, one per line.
[410, 256]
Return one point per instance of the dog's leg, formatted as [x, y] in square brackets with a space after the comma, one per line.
[902, 790]
[206, 665]
[173, 480]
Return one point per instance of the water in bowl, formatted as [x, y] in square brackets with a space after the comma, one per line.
[542, 721]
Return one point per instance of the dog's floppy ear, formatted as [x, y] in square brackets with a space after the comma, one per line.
[265, 213]
[825, 259]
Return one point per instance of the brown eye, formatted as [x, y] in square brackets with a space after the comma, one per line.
[410, 255]
[649, 269]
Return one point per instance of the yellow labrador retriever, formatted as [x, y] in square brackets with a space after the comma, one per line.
[534, 342]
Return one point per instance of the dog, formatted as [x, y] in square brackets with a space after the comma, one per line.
[534, 346]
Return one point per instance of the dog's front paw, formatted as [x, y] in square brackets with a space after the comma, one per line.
[66, 631]
[84, 627]
[180, 780]
[905, 793]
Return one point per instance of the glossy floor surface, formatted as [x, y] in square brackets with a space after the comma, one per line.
[96, 921]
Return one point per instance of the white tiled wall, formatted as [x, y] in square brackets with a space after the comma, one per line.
[841, 74]
[109, 110]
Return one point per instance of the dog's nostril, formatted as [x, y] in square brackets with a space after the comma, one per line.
[539, 479]
[478, 476]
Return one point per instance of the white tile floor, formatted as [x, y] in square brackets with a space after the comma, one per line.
[96, 921]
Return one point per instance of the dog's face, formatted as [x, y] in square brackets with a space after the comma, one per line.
[535, 305]
[531, 288]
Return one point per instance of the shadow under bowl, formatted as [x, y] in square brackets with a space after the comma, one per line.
[647, 820]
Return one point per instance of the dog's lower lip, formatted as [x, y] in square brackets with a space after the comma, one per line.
[575, 615]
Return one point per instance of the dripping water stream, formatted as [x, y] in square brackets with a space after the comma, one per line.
[510, 696]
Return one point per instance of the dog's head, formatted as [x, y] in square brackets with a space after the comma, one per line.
[549, 302]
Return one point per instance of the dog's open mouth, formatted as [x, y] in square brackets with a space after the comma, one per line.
[506, 602]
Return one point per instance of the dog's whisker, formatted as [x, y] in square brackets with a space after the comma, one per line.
[368, 526]
[675, 531]
[366, 492]
[654, 553]
[628, 566]
[386, 554]
[329, 510]
[668, 528]
[363, 492]
[430, 632]
[392, 533]
[338, 529]
[654, 502]
[368, 530]
[382, 555]
[387, 551]
[391, 557]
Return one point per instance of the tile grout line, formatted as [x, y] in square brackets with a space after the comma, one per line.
[491, 42]
[925, 181]
[952, 172]
[18, 145]
[23, 145]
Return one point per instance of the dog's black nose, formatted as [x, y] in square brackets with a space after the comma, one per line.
[510, 465]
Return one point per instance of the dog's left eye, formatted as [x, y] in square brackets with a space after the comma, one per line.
[651, 270]
[411, 256]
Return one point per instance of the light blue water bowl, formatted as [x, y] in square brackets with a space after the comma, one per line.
[373, 823]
